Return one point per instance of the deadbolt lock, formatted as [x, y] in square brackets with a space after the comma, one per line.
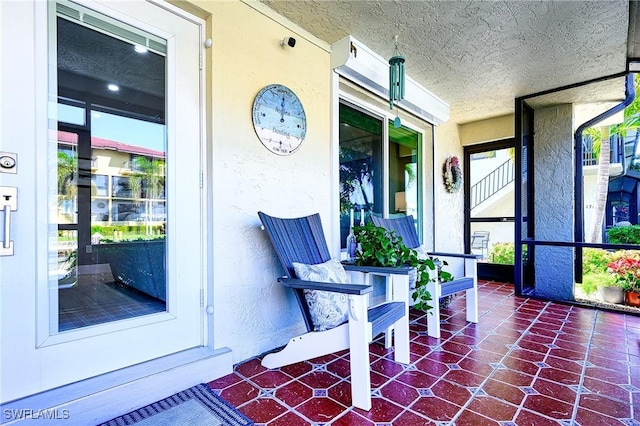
[8, 161]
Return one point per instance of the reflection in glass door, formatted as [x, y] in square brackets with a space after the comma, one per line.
[361, 167]
[405, 185]
[489, 199]
[380, 168]
[107, 247]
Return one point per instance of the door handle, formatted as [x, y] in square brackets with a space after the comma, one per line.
[8, 204]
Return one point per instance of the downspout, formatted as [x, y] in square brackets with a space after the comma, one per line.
[630, 95]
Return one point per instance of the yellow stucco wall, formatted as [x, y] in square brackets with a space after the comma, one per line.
[450, 140]
[449, 208]
[252, 312]
[491, 129]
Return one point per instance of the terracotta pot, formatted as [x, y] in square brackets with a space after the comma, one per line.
[611, 294]
[632, 298]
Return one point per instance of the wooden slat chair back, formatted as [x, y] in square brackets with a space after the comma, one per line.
[404, 227]
[302, 240]
[297, 240]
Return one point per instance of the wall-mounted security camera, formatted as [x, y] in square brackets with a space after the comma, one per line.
[288, 41]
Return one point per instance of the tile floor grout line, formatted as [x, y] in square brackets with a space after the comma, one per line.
[576, 404]
[504, 357]
[501, 332]
[629, 372]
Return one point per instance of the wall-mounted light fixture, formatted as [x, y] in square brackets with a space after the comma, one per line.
[288, 41]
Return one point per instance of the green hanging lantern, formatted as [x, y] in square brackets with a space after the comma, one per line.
[396, 79]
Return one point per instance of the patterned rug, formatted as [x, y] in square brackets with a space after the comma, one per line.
[196, 406]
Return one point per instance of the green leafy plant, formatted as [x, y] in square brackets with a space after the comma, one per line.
[504, 253]
[624, 234]
[379, 247]
[592, 281]
[595, 260]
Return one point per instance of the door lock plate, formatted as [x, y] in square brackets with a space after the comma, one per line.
[8, 162]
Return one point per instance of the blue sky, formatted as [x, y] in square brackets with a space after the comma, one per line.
[117, 128]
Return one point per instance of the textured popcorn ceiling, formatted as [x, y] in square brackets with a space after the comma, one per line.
[479, 56]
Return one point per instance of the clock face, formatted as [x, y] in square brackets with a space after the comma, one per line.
[279, 119]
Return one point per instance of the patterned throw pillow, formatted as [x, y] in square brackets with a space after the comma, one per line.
[328, 309]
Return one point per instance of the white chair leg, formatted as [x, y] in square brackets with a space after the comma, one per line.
[433, 316]
[359, 338]
[389, 292]
[471, 270]
[472, 304]
[400, 291]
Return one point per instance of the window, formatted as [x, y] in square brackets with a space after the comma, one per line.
[380, 168]
[404, 170]
[100, 184]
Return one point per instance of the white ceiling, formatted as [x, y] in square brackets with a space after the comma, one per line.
[478, 56]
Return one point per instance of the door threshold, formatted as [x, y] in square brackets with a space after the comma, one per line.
[101, 398]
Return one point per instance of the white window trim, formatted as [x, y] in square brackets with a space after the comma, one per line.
[383, 114]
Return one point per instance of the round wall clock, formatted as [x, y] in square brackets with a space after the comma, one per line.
[279, 119]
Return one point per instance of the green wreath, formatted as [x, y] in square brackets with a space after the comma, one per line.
[452, 174]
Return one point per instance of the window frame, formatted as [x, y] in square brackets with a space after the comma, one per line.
[368, 104]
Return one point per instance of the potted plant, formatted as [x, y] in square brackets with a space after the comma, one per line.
[598, 279]
[379, 247]
[626, 270]
[606, 285]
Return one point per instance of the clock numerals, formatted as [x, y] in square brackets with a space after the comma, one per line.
[279, 119]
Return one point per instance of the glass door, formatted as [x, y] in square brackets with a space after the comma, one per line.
[109, 248]
[381, 168]
[489, 198]
[108, 253]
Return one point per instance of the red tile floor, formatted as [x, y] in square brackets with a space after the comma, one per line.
[527, 362]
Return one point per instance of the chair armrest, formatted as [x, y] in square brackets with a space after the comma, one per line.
[459, 284]
[295, 283]
[400, 270]
[459, 255]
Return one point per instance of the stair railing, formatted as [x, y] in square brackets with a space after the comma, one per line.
[493, 182]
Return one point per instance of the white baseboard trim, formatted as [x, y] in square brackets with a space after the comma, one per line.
[104, 397]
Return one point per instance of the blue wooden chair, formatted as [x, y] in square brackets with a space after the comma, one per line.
[302, 240]
[405, 228]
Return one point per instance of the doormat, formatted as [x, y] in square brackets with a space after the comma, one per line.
[196, 406]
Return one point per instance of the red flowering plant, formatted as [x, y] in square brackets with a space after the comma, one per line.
[626, 269]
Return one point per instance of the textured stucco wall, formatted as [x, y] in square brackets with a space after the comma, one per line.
[449, 208]
[491, 129]
[252, 312]
[554, 201]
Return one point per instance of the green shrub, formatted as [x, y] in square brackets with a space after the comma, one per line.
[504, 253]
[591, 282]
[595, 261]
[624, 234]
[625, 254]
[128, 232]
